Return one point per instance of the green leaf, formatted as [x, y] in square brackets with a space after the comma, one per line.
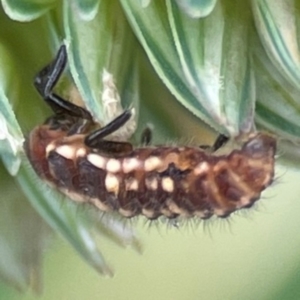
[277, 108]
[11, 137]
[205, 63]
[116, 229]
[277, 68]
[23, 235]
[277, 23]
[100, 45]
[17, 75]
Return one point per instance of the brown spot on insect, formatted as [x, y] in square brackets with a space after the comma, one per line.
[151, 183]
[72, 152]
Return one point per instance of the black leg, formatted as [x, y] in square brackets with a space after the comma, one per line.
[111, 147]
[220, 141]
[45, 81]
[96, 136]
[95, 139]
[48, 76]
[146, 136]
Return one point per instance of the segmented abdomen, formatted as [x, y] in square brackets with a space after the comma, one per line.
[167, 181]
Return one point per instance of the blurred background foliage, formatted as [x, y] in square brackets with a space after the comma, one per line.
[192, 69]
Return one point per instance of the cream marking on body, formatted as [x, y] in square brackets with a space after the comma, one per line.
[151, 183]
[166, 212]
[130, 164]
[267, 167]
[152, 163]
[170, 158]
[131, 184]
[97, 160]
[126, 213]
[49, 148]
[112, 183]
[73, 195]
[268, 178]
[173, 207]
[201, 214]
[201, 168]
[149, 213]
[81, 152]
[167, 184]
[221, 164]
[246, 200]
[240, 184]
[113, 165]
[219, 212]
[79, 198]
[66, 151]
[97, 202]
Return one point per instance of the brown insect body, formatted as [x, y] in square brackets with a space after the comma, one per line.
[70, 154]
[154, 181]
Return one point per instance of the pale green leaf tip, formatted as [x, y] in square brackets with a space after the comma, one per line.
[124, 234]
[25, 11]
[279, 37]
[196, 8]
[144, 3]
[10, 148]
[104, 270]
[15, 142]
[95, 259]
[87, 10]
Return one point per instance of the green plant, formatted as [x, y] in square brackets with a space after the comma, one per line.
[227, 62]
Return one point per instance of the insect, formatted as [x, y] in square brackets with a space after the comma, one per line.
[70, 152]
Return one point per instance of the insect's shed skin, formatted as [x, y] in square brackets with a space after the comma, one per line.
[73, 153]
[154, 181]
